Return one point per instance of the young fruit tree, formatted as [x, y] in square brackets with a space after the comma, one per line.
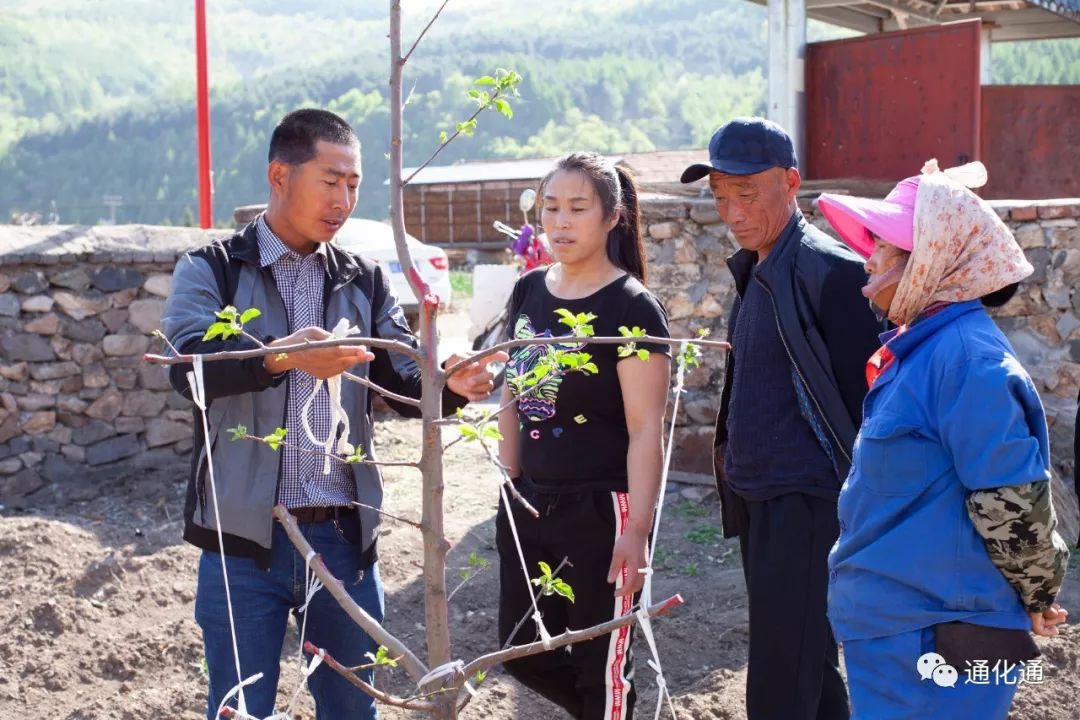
[443, 685]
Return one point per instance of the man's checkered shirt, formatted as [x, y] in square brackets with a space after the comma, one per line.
[301, 280]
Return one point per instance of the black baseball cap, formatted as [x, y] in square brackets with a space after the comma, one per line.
[745, 146]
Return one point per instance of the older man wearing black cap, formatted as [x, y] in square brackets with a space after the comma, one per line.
[801, 334]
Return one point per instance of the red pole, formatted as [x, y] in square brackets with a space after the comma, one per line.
[202, 113]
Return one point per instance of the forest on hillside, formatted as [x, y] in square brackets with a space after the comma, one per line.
[96, 98]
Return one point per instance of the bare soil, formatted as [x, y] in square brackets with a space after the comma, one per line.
[96, 603]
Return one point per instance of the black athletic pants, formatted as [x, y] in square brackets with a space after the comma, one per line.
[591, 680]
[794, 671]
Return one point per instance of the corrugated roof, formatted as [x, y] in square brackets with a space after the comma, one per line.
[485, 171]
[662, 166]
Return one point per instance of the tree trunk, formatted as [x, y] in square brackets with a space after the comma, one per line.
[436, 546]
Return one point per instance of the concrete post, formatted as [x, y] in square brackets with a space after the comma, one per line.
[787, 69]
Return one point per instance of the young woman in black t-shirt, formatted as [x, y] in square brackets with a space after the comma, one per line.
[584, 449]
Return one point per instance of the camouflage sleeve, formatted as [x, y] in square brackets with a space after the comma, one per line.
[1017, 525]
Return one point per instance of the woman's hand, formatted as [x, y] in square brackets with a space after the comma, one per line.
[1045, 623]
[631, 551]
[474, 381]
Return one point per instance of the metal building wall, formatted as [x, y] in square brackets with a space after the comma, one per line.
[879, 106]
[1031, 141]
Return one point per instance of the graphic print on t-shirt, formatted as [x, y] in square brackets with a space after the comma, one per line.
[538, 405]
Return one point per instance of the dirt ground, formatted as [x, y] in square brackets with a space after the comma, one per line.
[97, 598]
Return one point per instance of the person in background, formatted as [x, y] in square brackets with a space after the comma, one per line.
[947, 555]
[790, 406]
[585, 450]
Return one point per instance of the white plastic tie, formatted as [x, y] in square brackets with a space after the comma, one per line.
[316, 661]
[451, 668]
[545, 636]
[338, 416]
[313, 587]
[238, 692]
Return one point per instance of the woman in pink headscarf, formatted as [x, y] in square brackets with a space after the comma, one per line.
[947, 556]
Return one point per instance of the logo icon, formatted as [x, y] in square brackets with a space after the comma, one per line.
[932, 666]
[945, 676]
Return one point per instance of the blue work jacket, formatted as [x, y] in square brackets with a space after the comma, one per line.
[954, 412]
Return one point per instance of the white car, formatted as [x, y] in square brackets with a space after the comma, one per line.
[374, 241]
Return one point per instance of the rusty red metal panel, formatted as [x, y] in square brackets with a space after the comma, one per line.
[1031, 141]
[879, 106]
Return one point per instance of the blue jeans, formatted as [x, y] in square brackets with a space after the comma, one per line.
[885, 683]
[262, 601]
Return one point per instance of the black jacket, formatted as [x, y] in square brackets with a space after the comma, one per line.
[829, 332]
[240, 392]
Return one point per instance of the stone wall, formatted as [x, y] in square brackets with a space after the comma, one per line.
[76, 307]
[77, 304]
[687, 245]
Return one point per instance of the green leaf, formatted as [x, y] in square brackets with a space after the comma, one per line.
[357, 456]
[545, 569]
[477, 561]
[624, 331]
[643, 355]
[238, 433]
[562, 588]
[565, 314]
[504, 107]
[485, 80]
[626, 350]
[442, 137]
[382, 657]
[463, 573]
[227, 313]
[249, 315]
[479, 677]
[214, 331]
[590, 368]
[491, 433]
[469, 433]
[275, 438]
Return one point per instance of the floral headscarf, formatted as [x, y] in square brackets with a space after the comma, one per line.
[961, 248]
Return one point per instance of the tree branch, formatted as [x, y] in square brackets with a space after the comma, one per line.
[381, 390]
[465, 581]
[368, 624]
[423, 32]
[350, 675]
[506, 481]
[570, 637]
[442, 145]
[528, 613]
[415, 524]
[394, 345]
[561, 340]
[324, 454]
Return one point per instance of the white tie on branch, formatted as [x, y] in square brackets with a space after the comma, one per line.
[338, 416]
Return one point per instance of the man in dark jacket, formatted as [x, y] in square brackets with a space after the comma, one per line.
[801, 334]
[251, 578]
